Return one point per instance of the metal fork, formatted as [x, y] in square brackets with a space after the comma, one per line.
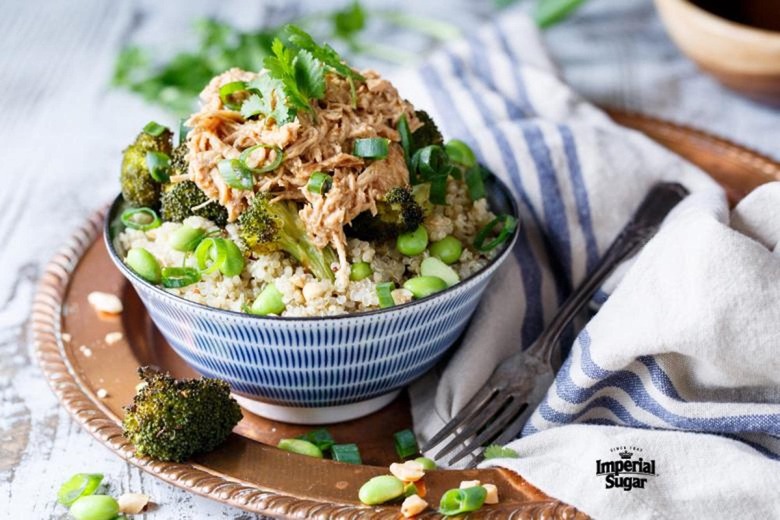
[497, 413]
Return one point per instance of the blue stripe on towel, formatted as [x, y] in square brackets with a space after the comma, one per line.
[531, 272]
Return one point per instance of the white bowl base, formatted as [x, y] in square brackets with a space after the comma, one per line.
[324, 415]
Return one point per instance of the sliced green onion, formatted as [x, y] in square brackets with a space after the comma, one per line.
[405, 444]
[439, 190]
[271, 166]
[320, 437]
[475, 182]
[175, 277]
[406, 138]
[269, 301]
[142, 219]
[227, 94]
[429, 162]
[348, 453]
[235, 174]
[508, 225]
[79, 485]
[210, 254]
[184, 130]
[459, 501]
[154, 128]
[460, 152]
[301, 447]
[383, 291]
[320, 183]
[371, 147]
[159, 165]
[234, 259]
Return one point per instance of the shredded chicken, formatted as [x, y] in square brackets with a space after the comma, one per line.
[323, 143]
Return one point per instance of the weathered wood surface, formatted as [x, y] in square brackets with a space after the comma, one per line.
[62, 130]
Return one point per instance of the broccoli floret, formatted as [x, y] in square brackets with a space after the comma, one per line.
[397, 212]
[179, 199]
[265, 226]
[138, 187]
[427, 134]
[179, 163]
[174, 419]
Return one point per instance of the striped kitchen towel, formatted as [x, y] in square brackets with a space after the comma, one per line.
[678, 366]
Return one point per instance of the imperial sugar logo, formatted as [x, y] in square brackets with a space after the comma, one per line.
[628, 470]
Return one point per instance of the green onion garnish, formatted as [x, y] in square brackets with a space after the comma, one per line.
[371, 147]
[459, 152]
[406, 138]
[348, 453]
[142, 219]
[320, 437]
[430, 162]
[274, 164]
[235, 174]
[154, 128]
[383, 291]
[508, 225]
[459, 501]
[175, 277]
[475, 182]
[210, 254]
[439, 190]
[77, 486]
[228, 94]
[183, 130]
[405, 444]
[320, 183]
[159, 165]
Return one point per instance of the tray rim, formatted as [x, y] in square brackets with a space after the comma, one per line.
[45, 323]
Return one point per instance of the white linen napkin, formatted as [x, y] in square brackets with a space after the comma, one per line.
[684, 343]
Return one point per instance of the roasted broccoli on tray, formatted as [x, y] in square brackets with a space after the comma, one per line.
[174, 419]
[275, 226]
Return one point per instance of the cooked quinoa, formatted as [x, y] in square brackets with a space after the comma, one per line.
[290, 176]
[305, 295]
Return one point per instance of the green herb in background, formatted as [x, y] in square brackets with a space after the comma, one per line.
[176, 83]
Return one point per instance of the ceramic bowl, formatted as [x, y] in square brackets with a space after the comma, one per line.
[742, 57]
[317, 370]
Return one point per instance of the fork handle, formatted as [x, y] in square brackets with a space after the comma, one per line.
[640, 229]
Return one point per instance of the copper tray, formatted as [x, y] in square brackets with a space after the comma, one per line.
[247, 472]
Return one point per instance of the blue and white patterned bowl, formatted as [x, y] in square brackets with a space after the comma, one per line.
[317, 370]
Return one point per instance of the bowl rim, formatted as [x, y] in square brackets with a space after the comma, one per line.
[130, 274]
[724, 24]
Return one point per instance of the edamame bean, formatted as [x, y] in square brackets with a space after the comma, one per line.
[186, 238]
[426, 463]
[301, 447]
[380, 489]
[422, 286]
[269, 301]
[144, 264]
[448, 249]
[360, 271]
[94, 507]
[432, 266]
[412, 243]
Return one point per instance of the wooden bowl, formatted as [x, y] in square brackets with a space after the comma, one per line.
[742, 57]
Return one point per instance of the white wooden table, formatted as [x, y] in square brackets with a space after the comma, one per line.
[62, 131]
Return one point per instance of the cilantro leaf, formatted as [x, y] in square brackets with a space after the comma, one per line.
[494, 451]
[268, 101]
[325, 53]
[309, 75]
[280, 67]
